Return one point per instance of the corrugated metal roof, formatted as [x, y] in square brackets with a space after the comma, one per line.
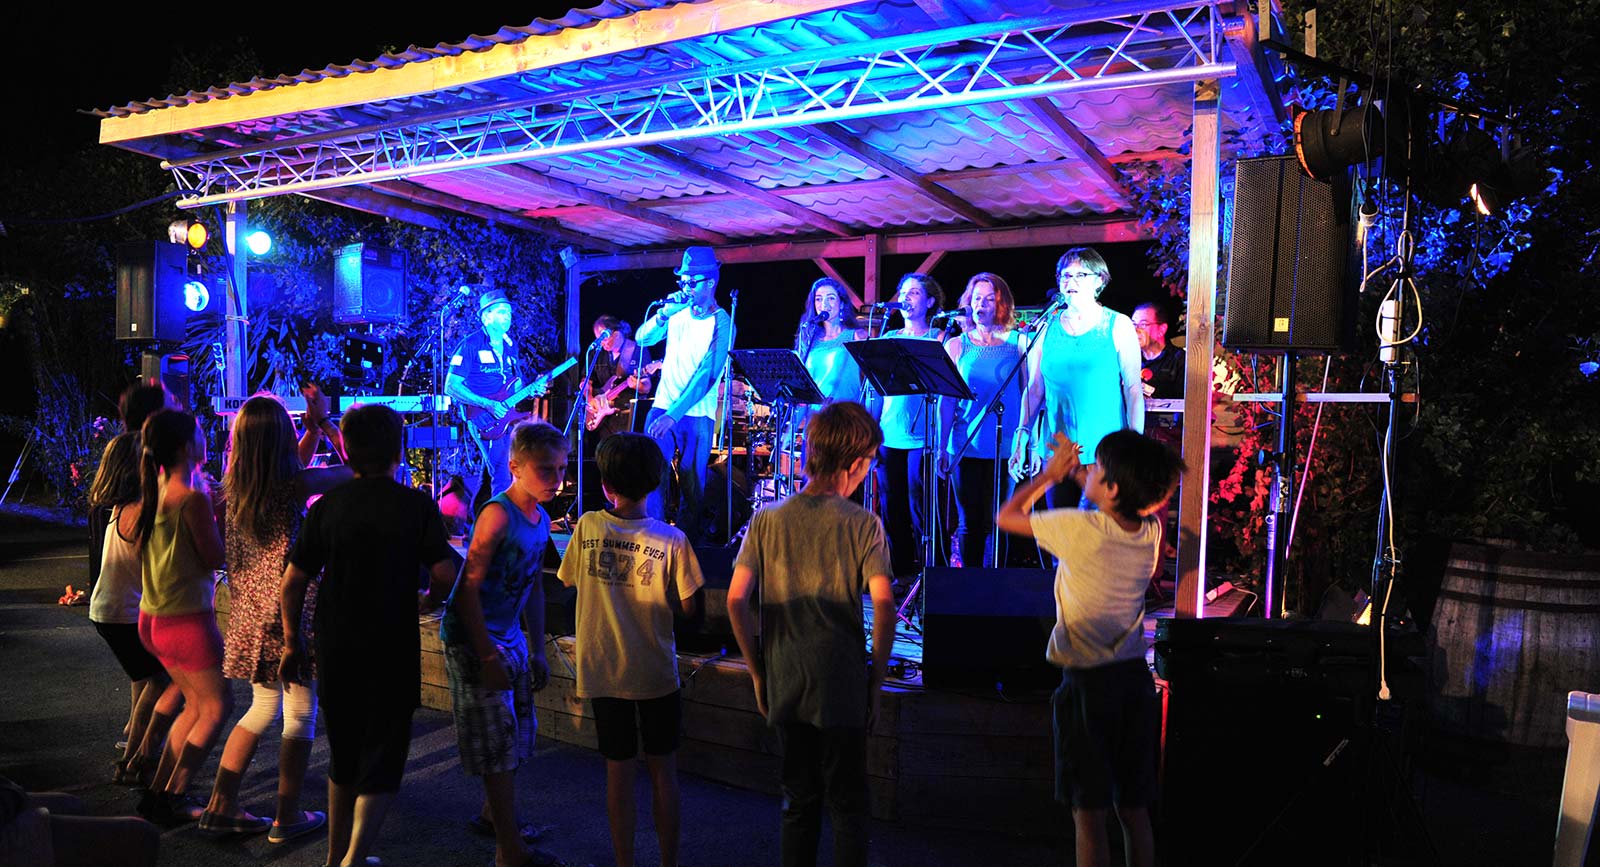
[958, 148]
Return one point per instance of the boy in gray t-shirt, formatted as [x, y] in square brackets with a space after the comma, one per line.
[814, 556]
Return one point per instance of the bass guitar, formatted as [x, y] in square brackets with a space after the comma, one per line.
[603, 404]
[490, 428]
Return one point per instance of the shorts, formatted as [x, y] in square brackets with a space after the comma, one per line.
[183, 642]
[1107, 724]
[367, 745]
[494, 728]
[126, 646]
[619, 724]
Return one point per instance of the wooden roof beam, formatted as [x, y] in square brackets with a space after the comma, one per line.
[675, 160]
[1255, 76]
[909, 243]
[381, 205]
[1070, 139]
[837, 136]
[419, 194]
[620, 207]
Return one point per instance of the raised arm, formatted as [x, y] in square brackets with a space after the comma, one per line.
[1023, 455]
[1014, 516]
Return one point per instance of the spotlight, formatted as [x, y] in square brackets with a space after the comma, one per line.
[191, 233]
[259, 242]
[1328, 142]
[196, 296]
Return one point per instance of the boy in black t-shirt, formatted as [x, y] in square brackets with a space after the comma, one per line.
[367, 537]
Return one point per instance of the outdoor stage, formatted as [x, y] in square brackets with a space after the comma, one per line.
[969, 758]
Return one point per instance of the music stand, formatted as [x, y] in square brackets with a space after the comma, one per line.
[898, 366]
[778, 377]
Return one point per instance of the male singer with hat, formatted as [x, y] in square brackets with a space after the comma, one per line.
[484, 365]
[698, 335]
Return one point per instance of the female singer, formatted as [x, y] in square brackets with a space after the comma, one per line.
[905, 434]
[1084, 374]
[827, 324]
[988, 354]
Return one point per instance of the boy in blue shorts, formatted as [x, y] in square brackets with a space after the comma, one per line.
[1107, 716]
[633, 573]
[492, 669]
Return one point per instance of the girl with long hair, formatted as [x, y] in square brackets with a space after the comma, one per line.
[114, 609]
[826, 325]
[179, 549]
[266, 489]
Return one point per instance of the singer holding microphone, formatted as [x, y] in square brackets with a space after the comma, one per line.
[827, 324]
[905, 442]
[698, 335]
[988, 354]
[1083, 377]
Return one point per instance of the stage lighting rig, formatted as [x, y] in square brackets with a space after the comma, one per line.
[190, 233]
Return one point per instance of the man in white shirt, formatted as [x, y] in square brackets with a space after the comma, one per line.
[698, 335]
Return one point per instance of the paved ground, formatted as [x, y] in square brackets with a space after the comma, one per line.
[63, 700]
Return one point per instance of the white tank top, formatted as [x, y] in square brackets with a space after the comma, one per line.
[116, 593]
[688, 342]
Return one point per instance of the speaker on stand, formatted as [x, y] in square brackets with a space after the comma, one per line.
[369, 285]
[150, 278]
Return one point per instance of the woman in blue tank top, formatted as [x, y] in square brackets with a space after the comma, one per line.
[827, 324]
[1083, 375]
[987, 354]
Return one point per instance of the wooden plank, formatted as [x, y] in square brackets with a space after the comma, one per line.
[980, 755]
[841, 138]
[945, 713]
[422, 195]
[932, 261]
[643, 29]
[611, 203]
[436, 697]
[1255, 76]
[1112, 231]
[1200, 350]
[433, 670]
[872, 253]
[827, 268]
[732, 184]
[372, 202]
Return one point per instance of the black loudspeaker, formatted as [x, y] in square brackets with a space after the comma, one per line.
[1286, 270]
[369, 285]
[1268, 717]
[709, 630]
[983, 627]
[150, 278]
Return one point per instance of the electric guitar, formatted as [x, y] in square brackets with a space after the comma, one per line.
[490, 428]
[602, 404]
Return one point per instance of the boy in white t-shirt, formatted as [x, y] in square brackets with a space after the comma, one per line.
[633, 574]
[1107, 716]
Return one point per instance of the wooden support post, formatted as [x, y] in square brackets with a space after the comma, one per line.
[236, 309]
[827, 268]
[1199, 348]
[932, 261]
[874, 256]
[574, 325]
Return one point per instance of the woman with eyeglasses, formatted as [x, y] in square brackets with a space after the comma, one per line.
[1083, 376]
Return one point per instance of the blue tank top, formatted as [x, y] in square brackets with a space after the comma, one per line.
[1082, 385]
[516, 564]
[984, 368]
[834, 369]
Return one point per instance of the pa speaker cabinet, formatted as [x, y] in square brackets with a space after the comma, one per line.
[1287, 287]
[369, 285]
[150, 278]
[987, 626]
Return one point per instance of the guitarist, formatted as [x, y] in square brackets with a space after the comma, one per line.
[483, 365]
[618, 360]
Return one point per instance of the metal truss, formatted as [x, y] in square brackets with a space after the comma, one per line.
[1123, 45]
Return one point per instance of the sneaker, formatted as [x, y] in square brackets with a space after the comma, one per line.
[214, 823]
[309, 821]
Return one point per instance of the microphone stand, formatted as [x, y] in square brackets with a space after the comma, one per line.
[727, 418]
[580, 414]
[439, 377]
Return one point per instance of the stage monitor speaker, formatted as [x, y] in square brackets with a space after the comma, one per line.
[1287, 289]
[710, 629]
[150, 278]
[369, 285]
[983, 627]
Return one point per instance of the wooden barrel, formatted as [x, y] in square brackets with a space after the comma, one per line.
[1513, 632]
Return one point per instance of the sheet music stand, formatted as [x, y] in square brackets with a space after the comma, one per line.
[778, 377]
[898, 366]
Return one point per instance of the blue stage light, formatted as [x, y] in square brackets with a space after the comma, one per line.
[196, 296]
[259, 242]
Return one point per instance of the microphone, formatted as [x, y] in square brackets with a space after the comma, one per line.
[605, 334]
[681, 296]
[887, 305]
[821, 316]
[948, 315]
